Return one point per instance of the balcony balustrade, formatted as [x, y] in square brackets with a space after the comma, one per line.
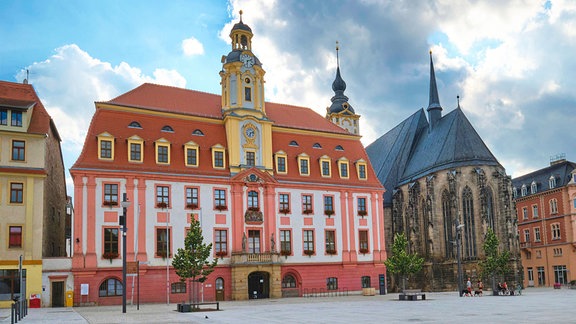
[255, 258]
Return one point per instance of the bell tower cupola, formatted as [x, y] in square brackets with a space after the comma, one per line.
[341, 112]
[242, 76]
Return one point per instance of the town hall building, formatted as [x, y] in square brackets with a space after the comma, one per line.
[287, 197]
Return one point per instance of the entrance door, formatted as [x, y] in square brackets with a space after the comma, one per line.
[219, 289]
[57, 293]
[253, 241]
[258, 285]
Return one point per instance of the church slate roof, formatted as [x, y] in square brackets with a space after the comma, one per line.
[412, 150]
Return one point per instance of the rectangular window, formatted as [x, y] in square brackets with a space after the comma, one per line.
[524, 213]
[105, 149]
[10, 283]
[362, 171]
[308, 242]
[541, 276]
[332, 283]
[162, 196]
[4, 117]
[111, 241]
[555, 231]
[560, 274]
[162, 153]
[281, 164]
[247, 94]
[535, 211]
[16, 118]
[304, 170]
[253, 241]
[218, 159]
[366, 282]
[15, 237]
[250, 158]
[178, 287]
[16, 193]
[344, 169]
[284, 203]
[221, 242]
[285, 242]
[253, 199]
[326, 168]
[18, 150]
[135, 152]
[536, 234]
[163, 242]
[192, 156]
[328, 205]
[526, 235]
[111, 194]
[220, 199]
[191, 198]
[362, 206]
[307, 204]
[363, 241]
[330, 241]
[530, 276]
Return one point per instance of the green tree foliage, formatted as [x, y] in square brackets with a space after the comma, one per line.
[402, 262]
[192, 261]
[494, 263]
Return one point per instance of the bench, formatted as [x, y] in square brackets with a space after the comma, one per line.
[412, 294]
[185, 308]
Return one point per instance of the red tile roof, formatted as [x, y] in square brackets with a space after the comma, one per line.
[154, 101]
[23, 95]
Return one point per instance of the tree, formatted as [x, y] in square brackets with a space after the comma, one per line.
[192, 260]
[402, 262]
[494, 263]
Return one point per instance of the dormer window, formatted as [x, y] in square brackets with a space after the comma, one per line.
[281, 166]
[343, 168]
[162, 151]
[317, 146]
[294, 143]
[135, 151]
[524, 190]
[552, 182]
[533, 187]
[304, 164]
[325, 166]
[16, 119]
[4, 117]
[105, 146]
[218, 157]
[191, 151]
[197, 132]
[168, 128]
[339, 148]
[135, 124]
[361, 169]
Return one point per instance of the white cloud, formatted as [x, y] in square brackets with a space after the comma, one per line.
[191, 46]
[70, 81]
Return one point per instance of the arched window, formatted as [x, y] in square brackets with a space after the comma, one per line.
[469, 229]
[524, 190]
[339, 148]
[168, 128]
[317, 145]
[288, 281]
[197, 132]
[110, 287]
[552, 182]
[533, 187]
[134, 124]
[448, 236]
[293, 143]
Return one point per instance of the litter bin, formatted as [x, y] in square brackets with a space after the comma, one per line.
[69, 298]
[35, 301]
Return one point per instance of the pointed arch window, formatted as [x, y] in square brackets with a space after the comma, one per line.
[448, 225]
[469, 226]
[490, 209]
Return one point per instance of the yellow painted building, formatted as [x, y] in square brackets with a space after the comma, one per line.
[32, 191]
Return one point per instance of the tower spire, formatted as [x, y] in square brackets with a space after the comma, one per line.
[434, 107]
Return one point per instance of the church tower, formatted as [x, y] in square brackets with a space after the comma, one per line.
[341, 112]
[248, 130]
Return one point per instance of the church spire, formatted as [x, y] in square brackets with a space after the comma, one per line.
[340, 111]
[434, 107]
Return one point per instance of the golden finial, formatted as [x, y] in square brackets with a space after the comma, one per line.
[240, 15]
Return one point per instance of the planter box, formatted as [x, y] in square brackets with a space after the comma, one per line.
[557, 286]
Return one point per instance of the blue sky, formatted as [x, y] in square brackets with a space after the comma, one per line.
[510, 62]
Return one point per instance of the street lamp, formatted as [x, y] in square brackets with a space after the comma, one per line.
[125, 204]
[459, 228]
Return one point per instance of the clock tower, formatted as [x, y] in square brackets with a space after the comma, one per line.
[248, 130]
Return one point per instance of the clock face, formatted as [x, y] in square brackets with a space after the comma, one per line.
[250, 132]
[248, 60]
